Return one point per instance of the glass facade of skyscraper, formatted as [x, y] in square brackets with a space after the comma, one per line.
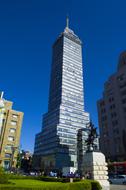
[57, 143]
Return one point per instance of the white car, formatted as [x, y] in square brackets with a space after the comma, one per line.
[118, 179]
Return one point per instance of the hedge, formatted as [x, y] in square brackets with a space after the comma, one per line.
[67, 186]
[19, 176]
[83, 185]
[52, 179]
[76, 185]
[43, 178]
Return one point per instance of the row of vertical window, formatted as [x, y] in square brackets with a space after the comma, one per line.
[12, 130]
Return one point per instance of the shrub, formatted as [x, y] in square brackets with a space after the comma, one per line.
[86, 185]
[95, 185]
[65, 180]
[3, 176]
[76, 179]
[49, 179]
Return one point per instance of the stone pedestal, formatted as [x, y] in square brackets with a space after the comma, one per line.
[95, 166]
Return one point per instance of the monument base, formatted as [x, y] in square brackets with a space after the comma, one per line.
[95, 164]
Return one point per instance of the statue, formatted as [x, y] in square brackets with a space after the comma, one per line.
[90, 142]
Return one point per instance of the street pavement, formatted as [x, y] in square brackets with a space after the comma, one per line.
[117, 187]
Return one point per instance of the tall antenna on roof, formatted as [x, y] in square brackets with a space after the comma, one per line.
[67, 22]
[1, 95]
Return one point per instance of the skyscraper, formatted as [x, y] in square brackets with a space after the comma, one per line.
[112, 114]
[56, 145]
[10, 128]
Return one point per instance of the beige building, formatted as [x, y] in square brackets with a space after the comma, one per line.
[10, 129]
[112, 114]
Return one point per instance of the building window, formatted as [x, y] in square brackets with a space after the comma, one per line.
[103, 110]
[8, 147]
[15, 116]
[113, 114]
[104, 118]
[102, 103]
[123, 85]
[114, 123]
[120, 78]
[111, 99]
[124, 109]
[7, 155]
[123, 92]
[12, 130]
[124, 101]
[14, 123]
[10, 138]
[112, 106]
[116, 131]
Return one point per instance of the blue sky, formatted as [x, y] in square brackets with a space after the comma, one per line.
[28, 29]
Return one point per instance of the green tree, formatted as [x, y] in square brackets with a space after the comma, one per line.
[19, 157]
[3, 176]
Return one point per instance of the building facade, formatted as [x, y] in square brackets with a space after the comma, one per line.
[56, 145]
[112, 114]
[10, 128]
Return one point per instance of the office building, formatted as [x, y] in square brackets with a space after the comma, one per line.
[56, 145]
[10, 128]
[112, 114]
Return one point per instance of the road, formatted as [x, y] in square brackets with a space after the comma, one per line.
[117, 187]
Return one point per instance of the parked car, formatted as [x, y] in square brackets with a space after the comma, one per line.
[117, 179]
